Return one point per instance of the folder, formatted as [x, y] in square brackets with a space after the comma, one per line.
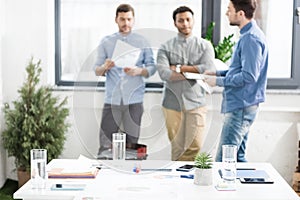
[62, 173]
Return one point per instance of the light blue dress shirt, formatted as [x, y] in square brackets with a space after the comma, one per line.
[119, 86]
[245, 81]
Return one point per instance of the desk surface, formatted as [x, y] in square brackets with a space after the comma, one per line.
[122, 183]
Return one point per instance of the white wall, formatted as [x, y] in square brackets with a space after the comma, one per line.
[28, 31]
[2, 152]
[273, 137]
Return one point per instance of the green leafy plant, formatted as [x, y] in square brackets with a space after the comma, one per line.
[224, 49]
[203, 161]
[36, 120]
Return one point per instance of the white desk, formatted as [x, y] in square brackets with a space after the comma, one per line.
[160, 185]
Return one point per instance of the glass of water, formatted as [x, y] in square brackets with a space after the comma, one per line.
[38, 162]
[118, 146]
[229, 154]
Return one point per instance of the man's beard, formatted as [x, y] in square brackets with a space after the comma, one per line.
[234, 24]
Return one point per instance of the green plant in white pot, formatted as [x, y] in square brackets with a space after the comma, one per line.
[203, 169]
[36, 120]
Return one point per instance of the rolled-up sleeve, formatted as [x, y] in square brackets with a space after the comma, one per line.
[207, 58]
[163, 65]
[101, 56]
[149, 61]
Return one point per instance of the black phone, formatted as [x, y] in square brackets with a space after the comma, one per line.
[257, 180]
[185, 168]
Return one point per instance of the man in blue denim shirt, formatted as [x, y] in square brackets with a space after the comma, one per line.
[246, 79]
[124, 86]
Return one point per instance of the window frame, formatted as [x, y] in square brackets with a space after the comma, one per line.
[211, 10]
[101, 84]
[294, 81]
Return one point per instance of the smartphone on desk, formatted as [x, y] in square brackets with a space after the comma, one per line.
[185, 168]
[257, 180]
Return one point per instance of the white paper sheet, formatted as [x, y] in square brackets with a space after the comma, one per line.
[125, 55]
[190, 75]
[205, 86]
[199, 78]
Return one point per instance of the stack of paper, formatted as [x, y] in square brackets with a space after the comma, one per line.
[79, 168]
[65, 173]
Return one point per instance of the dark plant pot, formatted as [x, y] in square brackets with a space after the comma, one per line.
[23, 177]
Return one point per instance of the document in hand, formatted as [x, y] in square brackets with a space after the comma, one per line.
[196, 76]
[199, 78]
[125, 55]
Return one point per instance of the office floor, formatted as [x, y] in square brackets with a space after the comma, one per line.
[6, 192]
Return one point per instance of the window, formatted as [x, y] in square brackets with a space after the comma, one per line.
[81, 24]
[278, 21]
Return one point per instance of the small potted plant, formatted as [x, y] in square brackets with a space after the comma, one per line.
[203, 169]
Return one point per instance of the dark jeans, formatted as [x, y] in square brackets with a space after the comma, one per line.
[113, 116]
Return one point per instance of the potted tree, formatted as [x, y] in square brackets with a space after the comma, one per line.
[203, 169]
[36, 120]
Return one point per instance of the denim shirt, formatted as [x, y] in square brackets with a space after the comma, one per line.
[246, 79]
[120, 87]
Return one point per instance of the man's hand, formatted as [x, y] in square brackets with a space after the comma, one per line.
[173, 68]
[108, 64]
[208, 72]
[210, 80]
[133, 71]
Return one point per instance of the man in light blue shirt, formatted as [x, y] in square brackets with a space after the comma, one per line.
[246, 79]
[124, 86]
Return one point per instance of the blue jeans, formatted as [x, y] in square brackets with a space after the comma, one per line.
[235, 131]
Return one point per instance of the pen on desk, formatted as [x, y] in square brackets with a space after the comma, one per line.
[245, 169]
[156, 169]
[189, 176]
[220, 172]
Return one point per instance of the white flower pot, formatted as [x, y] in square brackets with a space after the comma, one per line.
[203, 176]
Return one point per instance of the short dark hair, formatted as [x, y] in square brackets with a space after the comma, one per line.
[248, 6]
[181, 9]
[124, 8]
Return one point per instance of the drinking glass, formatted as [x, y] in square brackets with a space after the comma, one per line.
[229, 153]
[38, 162]
[118, 146]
